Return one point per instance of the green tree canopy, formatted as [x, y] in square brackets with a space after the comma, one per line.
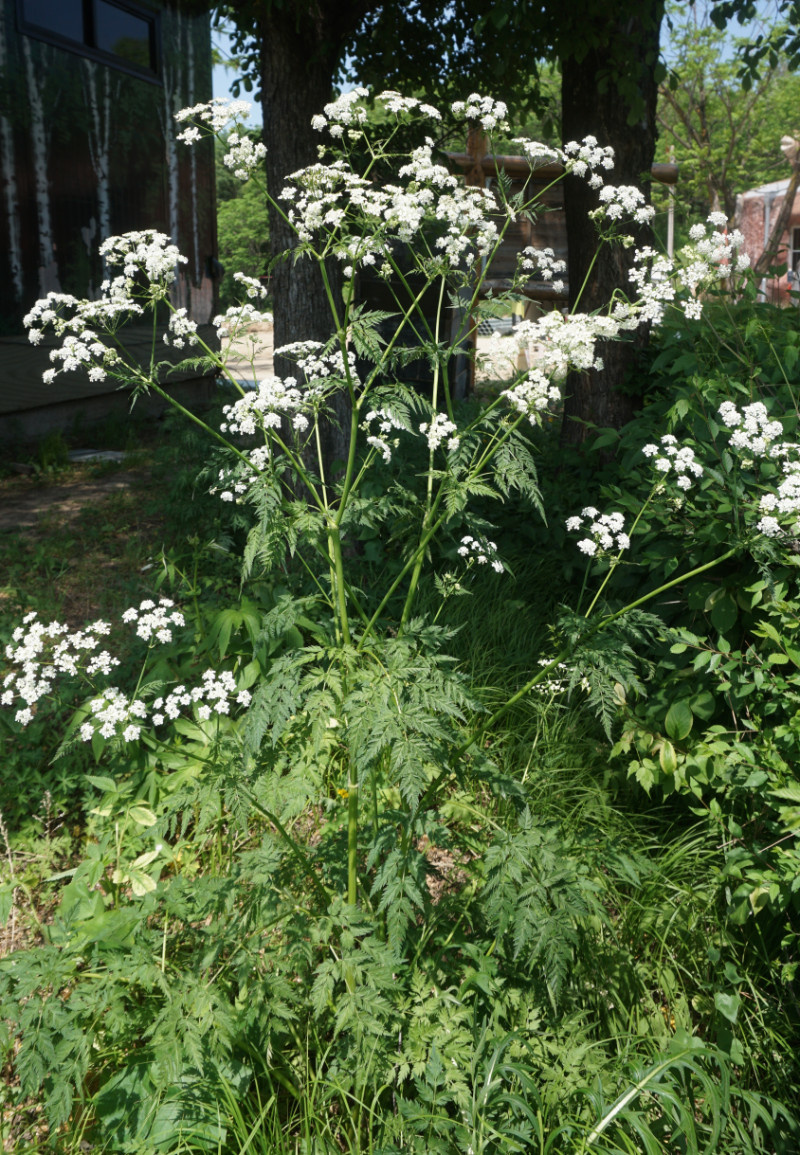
[724, 134]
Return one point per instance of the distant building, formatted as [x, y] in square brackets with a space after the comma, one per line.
[88, 93]
[756, 212]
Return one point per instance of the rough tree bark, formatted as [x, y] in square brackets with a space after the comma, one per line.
[616, 102]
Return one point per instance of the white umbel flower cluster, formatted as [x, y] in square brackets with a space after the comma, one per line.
[277, 398]
[154, 621]
[42, 653]
[439, 429]
[488, 113]
[564, 343]
[544, 263]
[403, 105]
[587, 159]
[533, 394]
[623, 202]
[380, 424]
[39, 654]
[181, 330]
[237, 319]
[671, 459]
[215, 115]
[480, 551]
[752, 430]
[274, 399]
[244, 156]
[781, 510]
[148, 260]
[144, 252]
[113, 715]
[607, 531]
[253, 288]
[343, 113]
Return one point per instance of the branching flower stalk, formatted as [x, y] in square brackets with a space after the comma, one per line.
[451, 234]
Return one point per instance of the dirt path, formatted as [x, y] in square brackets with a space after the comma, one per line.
[24, 503]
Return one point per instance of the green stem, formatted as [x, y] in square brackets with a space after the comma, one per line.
[352, 840]
[615, 561]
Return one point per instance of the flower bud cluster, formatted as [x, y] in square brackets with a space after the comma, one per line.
[670, 459]
[607, 530]
[482, 551]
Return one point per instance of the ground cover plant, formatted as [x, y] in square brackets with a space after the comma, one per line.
[364, 863]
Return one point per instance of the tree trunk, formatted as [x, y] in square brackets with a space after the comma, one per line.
[618, 106]
[301, 47]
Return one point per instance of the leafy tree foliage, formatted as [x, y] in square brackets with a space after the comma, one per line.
[725, 135]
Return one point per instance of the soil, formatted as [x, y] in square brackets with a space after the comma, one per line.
[25, 501]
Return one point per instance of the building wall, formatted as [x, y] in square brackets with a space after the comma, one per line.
[755, 211]
[88, 150]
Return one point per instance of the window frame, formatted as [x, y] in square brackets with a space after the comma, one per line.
[143, 11]
[794, 249]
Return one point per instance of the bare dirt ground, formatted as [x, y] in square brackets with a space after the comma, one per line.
[24, 501]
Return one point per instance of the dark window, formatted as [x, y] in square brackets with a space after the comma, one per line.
[124, 34]
[64, 18]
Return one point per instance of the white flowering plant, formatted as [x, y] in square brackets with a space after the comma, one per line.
[346, 718]
[272, 457]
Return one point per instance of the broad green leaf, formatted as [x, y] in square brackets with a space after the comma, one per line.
[102, 783]
[727, 1005]
[668, 758]
[141, 883]
[679, 721]
[703, 705]
[142, 815]
[724, 613]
